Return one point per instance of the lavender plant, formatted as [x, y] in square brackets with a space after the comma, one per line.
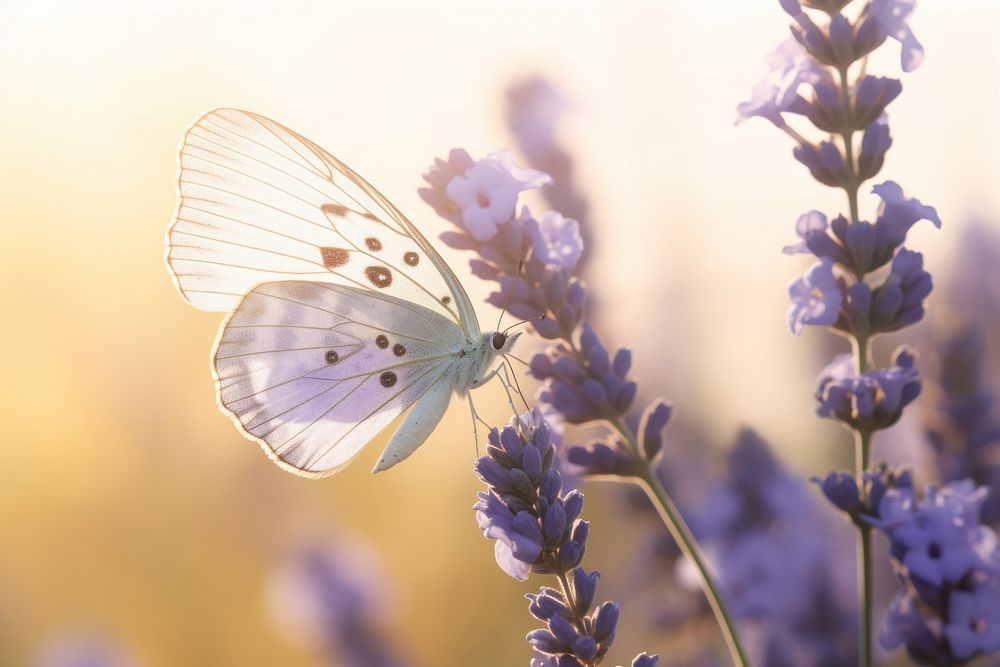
[534, 262]
[537, 529]
[865, 283]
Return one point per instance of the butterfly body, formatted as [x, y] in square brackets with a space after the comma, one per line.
[341, 315]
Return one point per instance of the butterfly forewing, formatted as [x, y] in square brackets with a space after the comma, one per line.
[313, 371]
[258, 202]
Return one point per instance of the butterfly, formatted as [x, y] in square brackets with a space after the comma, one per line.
[340, 314]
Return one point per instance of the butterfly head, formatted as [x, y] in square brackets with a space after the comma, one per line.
[501, 342]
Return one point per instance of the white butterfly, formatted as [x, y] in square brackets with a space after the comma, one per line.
[341, 314]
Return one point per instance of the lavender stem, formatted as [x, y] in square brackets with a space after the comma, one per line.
[679, 531]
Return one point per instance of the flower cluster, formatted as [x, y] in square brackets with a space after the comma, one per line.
[865, 282]
[537, 529]
[872, 400]
[949, 563]
[947, 613]
[534, 260]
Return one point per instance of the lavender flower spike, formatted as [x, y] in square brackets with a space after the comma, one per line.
[537, 529]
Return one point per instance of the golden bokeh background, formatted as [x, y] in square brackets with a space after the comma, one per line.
[129, 504]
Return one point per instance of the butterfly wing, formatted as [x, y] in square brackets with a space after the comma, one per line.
[259, 203]
[313, 371]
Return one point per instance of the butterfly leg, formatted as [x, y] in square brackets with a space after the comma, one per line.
[475, 426]
[517, 386]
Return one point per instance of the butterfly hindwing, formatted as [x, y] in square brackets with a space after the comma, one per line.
[259, 203]
[313, 371]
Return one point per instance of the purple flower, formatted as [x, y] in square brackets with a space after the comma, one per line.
[974, 622]
[790, 68]
[816, 297]
[555, 240]
[898, 213]
[873, 401]
[486, 192]
[899, 302]
[948, 612]
[645, 660]
[893, 17]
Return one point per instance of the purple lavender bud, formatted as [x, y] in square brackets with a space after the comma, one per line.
[601, 459]
[651, 426]
[595, 393]
[522, 484]
[573, 505]
[900, 300]
[584, 588]
[551, 485]
[493, 474]
[841, 36]
[545, 641]
[567, 369]
[547, 604]
[570, 555]
[645, 660]
[511, 442]
[531, 463]
[585, 648]
[814, 40]
[605, 622]
[871, 96]
[841, 490]
[622, 362]
[554, 524]
[563, 630]
[826, 111]
[874, 144]
[527, 525]
[825, 162]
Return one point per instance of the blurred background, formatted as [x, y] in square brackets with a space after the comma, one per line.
[132, 513]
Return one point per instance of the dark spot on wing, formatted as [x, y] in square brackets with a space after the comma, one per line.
[379, 276]
[382, 341]
[334, 257]
[373, 244]
[387, 379]
[370, 216]
[446, 300]
[334, 209]
[411, 258]
[398, 349]
[332, 357]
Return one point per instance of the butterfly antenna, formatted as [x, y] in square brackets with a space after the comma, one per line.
[510, 294]
[530, 319]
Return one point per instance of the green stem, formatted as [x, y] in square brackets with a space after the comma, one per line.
[681, 534]
[862, 460]
[848, 136]
[862, 455]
